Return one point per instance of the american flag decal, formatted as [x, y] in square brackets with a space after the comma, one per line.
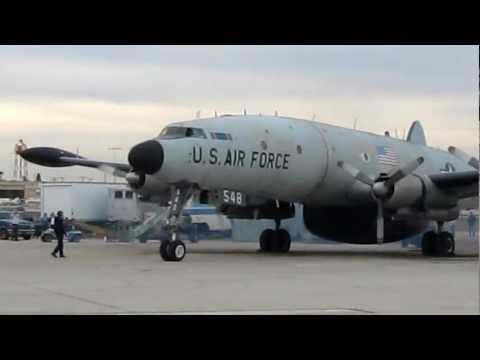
[386, 155]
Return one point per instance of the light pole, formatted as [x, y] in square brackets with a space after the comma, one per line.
[115, 149]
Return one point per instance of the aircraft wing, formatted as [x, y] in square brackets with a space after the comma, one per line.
[52, 157]
[464, 184]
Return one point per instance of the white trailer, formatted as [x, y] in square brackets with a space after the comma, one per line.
[87, 201]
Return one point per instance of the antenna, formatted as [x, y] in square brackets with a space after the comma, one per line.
[114, 149]
[20, 166]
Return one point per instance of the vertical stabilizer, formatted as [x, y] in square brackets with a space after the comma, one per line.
[416, 135]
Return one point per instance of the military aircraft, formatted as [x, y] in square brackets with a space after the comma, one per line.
[355, 186]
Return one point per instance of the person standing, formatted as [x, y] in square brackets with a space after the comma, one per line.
[15, 224]
[451, 227]
[52, 219]
[44, 221]
[59, 233]
[472, 222]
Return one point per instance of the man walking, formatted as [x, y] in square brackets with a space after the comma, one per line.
[59, 232]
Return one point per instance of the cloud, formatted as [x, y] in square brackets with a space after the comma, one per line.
[176, 75]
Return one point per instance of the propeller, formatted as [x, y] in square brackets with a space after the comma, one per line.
[471, 160]
[145, 158]
[382, 187]
[135, 179]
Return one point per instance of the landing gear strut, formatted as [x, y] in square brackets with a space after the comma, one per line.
[440, 243]
[173, 249]
[277, 240]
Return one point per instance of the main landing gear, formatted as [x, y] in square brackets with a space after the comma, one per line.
[277, 240]
[173, 249]
[440, 243]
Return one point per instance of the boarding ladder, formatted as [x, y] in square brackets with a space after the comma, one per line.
[150, 222]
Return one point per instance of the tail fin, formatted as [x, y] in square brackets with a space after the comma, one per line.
[416, 135]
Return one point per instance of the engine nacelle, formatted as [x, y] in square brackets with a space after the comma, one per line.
[407, 192]
[149, 187]
[437, 198]
[411, 191]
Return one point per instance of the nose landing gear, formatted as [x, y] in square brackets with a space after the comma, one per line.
[173, 249]
[440, 243]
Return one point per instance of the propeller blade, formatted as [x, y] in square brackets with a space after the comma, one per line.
[470, 160]
[355, 173]
[380, 222]
[398, 173]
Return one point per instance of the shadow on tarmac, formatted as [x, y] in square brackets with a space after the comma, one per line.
[336, 252]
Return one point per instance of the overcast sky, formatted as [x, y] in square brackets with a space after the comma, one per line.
[96, 97]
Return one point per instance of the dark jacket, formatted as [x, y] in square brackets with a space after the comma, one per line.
[58, 226]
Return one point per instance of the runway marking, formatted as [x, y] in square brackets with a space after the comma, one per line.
[81, 299]
[78, 298]
[339, 311]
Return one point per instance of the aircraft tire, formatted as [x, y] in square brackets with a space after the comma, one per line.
[164, 250]
[266, 242]
[447, 244]
[176, 250]
[428, 243]
[284, 241]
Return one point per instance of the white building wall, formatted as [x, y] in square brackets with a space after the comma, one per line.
[123, 209]
[56, 197]
[82, 200]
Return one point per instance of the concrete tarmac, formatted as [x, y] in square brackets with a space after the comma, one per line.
[226, 277]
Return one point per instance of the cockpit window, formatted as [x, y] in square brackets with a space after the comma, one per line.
[177, 132]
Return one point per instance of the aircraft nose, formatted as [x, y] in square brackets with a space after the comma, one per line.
[146, 156]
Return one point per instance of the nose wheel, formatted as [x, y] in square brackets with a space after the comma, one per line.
[173, 249]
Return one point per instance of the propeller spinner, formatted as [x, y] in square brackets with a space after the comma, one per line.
[144, 158]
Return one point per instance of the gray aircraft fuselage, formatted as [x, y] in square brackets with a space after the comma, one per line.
[355, 186]
[295, 160]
